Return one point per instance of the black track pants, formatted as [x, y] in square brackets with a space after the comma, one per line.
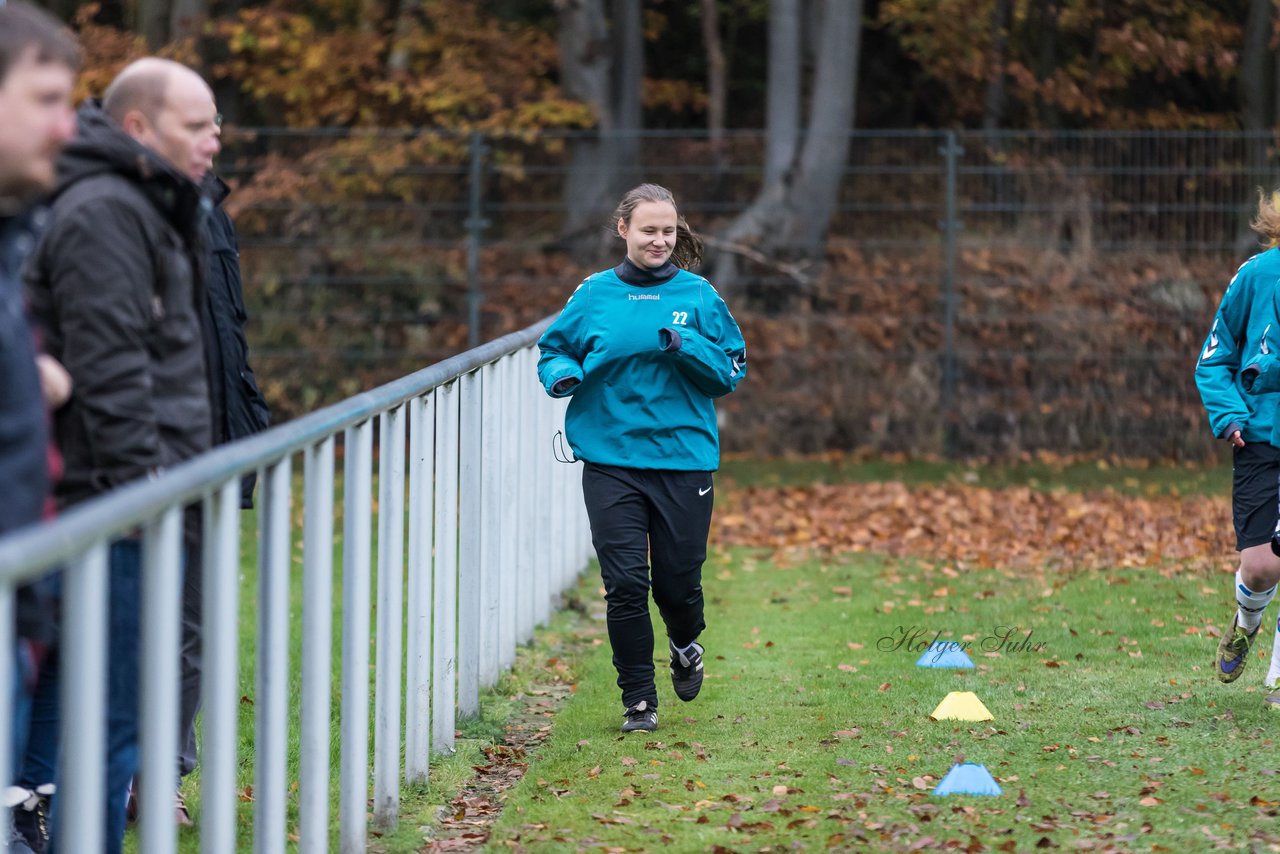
[638, 515]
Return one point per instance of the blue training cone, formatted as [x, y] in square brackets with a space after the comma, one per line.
[968, 778]
[944, 654]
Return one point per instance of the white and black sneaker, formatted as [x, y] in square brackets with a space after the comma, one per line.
[641, 717]
[686, 670]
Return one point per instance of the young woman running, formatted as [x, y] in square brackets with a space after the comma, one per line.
[1238, 381]
[644, 348]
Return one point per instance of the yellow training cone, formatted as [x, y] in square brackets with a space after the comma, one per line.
[961, 706]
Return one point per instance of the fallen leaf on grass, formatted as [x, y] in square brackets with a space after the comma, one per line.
[982, 527]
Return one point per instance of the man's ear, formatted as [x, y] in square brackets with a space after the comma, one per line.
[135, 123]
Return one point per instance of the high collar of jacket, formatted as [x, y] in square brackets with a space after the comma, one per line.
[215, 189]
[633, 274]
[102, 147]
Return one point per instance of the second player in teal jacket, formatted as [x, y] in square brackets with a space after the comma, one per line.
[1245, 329]
[1236, 374]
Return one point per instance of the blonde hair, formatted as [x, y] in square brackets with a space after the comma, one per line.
[1267, 221]
[688, 250]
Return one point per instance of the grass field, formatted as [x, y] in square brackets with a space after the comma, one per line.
[813, 729]
[813, 725]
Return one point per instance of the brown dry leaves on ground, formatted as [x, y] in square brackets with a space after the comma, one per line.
[974, 527]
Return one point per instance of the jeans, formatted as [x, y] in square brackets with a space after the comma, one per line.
[23, 677]
[123, 639]
[192, 662]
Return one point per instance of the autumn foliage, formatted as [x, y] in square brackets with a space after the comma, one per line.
[440, 64]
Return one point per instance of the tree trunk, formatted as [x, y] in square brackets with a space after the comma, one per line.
[187, 18]
[608, 75]
[1042, 39]
[717, 82]
[398, 59]
[782, 98]
[816, 190]
[627, 86]
[1255, 83]
[1257, 99]
[791, 215]
[153, 22]
[994, 102]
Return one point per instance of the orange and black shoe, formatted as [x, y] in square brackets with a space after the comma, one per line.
[1233, 651]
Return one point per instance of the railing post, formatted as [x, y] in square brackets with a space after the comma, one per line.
[951, 152]
[444, 611]
[353, 790]
[162, 565]
[417, 739]
[271, 709]
[84, 688]
[508, 621]
[220, 689]
[469, 566]
[543, 461]
[386, 695]
[527, 508]
[490, 520]
[7, 659]
[317, 641]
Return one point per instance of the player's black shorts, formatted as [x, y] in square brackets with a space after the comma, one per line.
[1255, 493]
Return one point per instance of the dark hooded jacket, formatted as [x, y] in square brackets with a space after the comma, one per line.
[24, 474]
[239, 408]
[24, 437]
[116, 284]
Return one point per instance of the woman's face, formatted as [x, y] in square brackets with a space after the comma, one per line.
[651, 235]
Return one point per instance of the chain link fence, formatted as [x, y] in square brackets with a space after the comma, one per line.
[983, 293]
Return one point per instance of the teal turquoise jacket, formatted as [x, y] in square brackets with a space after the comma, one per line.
[644, 363]
[1236, 373]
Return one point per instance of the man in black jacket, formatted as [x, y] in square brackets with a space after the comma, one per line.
[117, 284]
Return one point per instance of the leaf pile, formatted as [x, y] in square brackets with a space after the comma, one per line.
[974, 527]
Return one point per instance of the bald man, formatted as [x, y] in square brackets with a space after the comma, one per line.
[117, 283]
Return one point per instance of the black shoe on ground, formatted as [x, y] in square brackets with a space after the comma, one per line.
[31, 820]
[641, 717]
[686, 670]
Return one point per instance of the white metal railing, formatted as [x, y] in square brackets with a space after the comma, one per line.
[496, 531]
